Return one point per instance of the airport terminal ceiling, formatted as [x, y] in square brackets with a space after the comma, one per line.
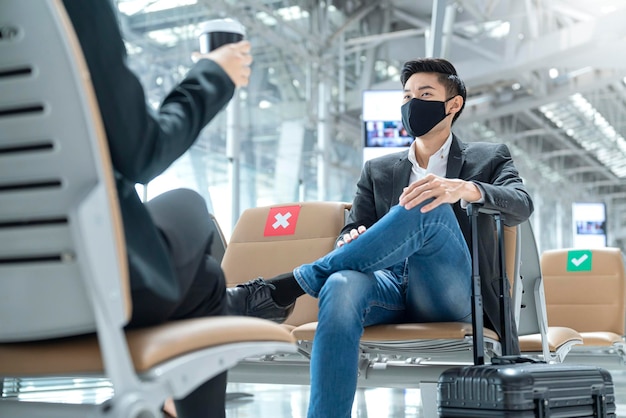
[546, 77]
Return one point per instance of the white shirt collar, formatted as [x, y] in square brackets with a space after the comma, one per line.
[437, 163]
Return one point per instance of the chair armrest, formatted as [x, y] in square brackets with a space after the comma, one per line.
[475, 208]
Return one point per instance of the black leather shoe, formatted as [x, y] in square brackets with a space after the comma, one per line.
[254, 298]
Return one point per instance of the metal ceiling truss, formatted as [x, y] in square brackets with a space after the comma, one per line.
[519, 58]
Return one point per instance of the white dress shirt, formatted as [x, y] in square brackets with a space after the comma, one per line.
[437, 165]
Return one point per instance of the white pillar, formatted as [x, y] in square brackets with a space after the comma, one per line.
[322, 139]
[438, 37]
[559, 218]
[233, 127]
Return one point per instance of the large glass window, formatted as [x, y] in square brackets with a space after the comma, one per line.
[268, 151]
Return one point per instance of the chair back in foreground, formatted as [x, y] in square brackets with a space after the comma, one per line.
[58, 208]
[64, 289]
[271, 240]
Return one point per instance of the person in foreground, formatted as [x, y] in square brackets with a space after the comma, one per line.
[172, 275]
[403, 255]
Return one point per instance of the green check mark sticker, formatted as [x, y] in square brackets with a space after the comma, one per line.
[579, 260]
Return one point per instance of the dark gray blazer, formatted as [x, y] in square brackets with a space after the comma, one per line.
[143, 142]
[486, 164]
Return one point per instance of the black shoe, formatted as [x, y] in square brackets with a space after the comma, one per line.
[254, 298]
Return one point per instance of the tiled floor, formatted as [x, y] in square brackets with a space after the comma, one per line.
[290, 401]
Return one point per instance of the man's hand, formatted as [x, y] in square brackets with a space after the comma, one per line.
[235, 60]
[441, 189]
[354, 234]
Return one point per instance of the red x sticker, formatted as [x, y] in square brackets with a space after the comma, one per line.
[281, 221]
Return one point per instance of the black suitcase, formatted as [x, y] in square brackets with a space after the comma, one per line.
[518, 387]
[526, 390]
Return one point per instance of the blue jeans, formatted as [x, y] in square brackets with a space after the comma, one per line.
[408, 267]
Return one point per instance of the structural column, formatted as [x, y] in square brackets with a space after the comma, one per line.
[233, 151]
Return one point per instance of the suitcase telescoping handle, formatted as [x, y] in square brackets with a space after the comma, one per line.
[473, 210]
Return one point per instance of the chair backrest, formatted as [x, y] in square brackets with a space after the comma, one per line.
[532, 317]
[512, 253]
[218, 246]
[271, 240]
[585, 289]
[55, 189]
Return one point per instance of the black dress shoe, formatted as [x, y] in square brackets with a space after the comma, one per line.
[254, 298]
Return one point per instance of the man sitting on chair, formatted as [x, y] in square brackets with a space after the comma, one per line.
[403, 255]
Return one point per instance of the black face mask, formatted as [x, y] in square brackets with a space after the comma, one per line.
[420, 116]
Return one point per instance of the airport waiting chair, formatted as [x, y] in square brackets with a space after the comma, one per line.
[387, 351]
[273, 240]
[34, 387]
[585, 290]
[550, 343]
[276, 239]
[64, 291]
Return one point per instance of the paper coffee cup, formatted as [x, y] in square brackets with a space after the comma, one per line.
[218, 32]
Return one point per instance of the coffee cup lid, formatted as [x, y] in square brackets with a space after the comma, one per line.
[223, 25]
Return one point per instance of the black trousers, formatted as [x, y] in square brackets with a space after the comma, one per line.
[183, 220]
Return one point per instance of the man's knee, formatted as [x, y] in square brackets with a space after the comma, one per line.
[182, 203]
[182, 217]
[442, 215]
[345, 291]
[442, 211]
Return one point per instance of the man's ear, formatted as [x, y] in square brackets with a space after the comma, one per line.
[455, 104]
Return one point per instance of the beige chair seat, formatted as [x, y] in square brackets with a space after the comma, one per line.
[148, 346]
[422, 331]
[601, 339]
[404, 332]
[414, 338]
[557, 337]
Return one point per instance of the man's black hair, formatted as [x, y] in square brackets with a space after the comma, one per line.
[446, 74]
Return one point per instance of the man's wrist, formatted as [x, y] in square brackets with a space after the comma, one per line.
[475, 194]
[472, 193]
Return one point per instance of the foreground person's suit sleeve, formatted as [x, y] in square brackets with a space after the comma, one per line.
[143, 142]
